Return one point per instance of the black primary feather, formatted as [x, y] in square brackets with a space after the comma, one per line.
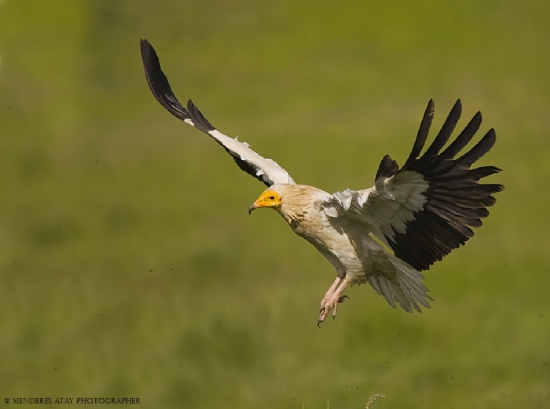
[160, 87]
[158, 83]
[455, 200]
[420, 140]
[445, 132]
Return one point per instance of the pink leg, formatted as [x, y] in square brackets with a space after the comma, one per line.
[330, 291]
[332, 298]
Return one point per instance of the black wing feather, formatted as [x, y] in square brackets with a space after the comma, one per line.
[455, 200]
[388, 167]
[197, 117]
[445, 132]
[160, 87]
[422, 133]
[158, 83]
[464, 138]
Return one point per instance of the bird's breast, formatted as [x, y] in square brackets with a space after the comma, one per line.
[345, 244]
[327, 237]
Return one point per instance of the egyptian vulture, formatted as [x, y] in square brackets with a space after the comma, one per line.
[385, 235]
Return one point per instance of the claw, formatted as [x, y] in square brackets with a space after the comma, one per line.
[332, 298]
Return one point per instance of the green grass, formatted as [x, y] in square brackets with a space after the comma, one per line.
[129, 265]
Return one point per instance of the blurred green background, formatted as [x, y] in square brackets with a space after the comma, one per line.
[129, 265]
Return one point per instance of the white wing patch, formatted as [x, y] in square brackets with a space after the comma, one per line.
[262, 166]
[266, 170]
[387, 206]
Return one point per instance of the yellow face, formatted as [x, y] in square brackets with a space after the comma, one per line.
[268, 198]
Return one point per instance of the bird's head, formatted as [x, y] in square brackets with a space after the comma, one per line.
[269, 198]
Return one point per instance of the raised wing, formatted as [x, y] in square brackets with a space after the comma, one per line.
[427, 208]
[263, 169]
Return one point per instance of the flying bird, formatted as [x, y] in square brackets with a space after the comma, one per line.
[387, 234]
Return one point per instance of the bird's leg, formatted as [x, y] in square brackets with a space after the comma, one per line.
[332, 298]
[330, 291]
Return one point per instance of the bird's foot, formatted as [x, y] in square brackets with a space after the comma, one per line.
[330, 304]
[332, 298]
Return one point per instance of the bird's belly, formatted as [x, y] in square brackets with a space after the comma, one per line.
[345, 253]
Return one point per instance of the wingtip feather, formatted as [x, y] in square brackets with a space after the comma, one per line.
[422, 134]
[198, 118]
[158, 83]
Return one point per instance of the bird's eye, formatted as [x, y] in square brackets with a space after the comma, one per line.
[271, 197]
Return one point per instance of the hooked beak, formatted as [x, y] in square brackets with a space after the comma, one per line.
[254, 206]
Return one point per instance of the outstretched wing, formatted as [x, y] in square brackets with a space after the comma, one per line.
[263, 169]
[427, 208]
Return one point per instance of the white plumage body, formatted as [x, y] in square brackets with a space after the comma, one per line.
[349, 245]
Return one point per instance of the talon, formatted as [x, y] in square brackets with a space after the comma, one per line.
[332, 298]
